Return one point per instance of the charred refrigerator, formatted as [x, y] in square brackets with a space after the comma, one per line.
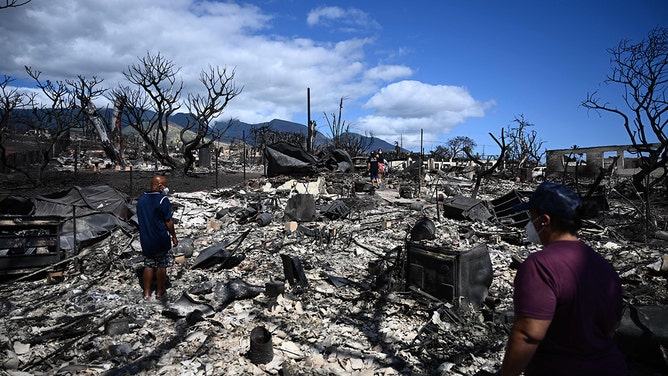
[449, 274]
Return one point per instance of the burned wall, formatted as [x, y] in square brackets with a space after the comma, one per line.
[589, 161]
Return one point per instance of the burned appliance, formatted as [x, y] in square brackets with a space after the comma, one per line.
[461, 207]
[406, 191]
[449, 274]
[424, 228]
[503, 208]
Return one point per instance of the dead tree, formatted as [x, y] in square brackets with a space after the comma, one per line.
[342, 138]
[86, 91]
[356, 144]
[50, 122]
[12, 101]
[135, 108]
[337, 128]
[524, 146]
[641, 69]
[482, 170]
[116, 126]
[220, 90]
[262, 136]
[158, 88]
[13, 3]
[573, 160]
[454, 147]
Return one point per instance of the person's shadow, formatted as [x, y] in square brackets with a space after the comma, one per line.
[484, 373]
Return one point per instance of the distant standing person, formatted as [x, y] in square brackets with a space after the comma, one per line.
[156, 234]
[381, 165]
[372, 167]
[568, 298]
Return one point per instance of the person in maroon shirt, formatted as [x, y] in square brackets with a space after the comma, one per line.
[568, 298]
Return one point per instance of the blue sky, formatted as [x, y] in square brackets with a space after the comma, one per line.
[443, 68]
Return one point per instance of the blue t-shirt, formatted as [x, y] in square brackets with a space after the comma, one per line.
[153, 210]
[572, 285]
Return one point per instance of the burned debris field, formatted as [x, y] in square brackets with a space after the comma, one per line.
[300, 276]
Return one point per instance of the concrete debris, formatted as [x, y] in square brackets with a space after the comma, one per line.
[288, 276]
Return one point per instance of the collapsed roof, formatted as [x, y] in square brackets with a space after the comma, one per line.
[288, 159]
[98, 209]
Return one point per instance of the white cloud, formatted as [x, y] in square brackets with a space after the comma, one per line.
[337, 18]
[388, 72]
[64, 39]
[70, 38]
[410, 107]
[325, 13]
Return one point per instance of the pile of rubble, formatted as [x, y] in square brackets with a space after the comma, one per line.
[306, 277]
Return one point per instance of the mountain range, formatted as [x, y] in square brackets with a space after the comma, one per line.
[239, 129]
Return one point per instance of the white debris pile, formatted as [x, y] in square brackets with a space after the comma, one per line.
[329, 291]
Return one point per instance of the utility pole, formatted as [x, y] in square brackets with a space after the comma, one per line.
[310, 136]
[421, 159]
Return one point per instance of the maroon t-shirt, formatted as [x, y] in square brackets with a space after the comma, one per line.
[572, 285]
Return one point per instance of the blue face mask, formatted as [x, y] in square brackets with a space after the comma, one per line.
[165, 191]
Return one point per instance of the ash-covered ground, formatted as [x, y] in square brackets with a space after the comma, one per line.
[352, 317]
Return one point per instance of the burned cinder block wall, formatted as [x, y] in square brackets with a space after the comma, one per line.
[594, 161]
[595, 158]
[584, 161]
[553, 163]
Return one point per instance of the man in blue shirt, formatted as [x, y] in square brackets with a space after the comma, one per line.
[156, 234]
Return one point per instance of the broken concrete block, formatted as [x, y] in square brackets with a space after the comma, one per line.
[213, 225]
[313, 188]
[291, 226]
[300, 207]
[54, 277]
[661, 265]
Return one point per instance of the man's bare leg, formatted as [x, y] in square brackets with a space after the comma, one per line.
[148, 279]
[161, 276]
